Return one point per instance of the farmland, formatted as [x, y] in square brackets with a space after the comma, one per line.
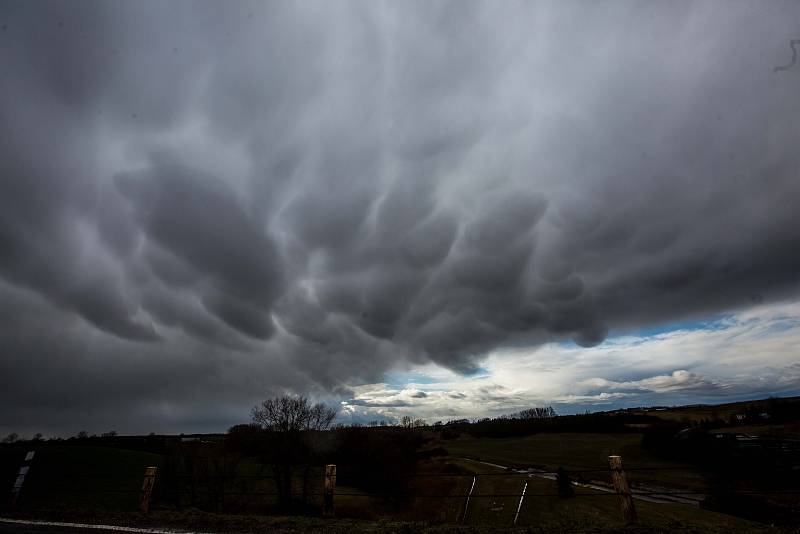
[581, 452]
[493, 502]
[71, 480]
[431, 478]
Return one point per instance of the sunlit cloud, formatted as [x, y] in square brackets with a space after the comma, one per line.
[744, 355]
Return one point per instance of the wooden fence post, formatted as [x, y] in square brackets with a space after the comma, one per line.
[23, 470]
[330, 487]
[564, 484]
[622, 489]
[147, 488]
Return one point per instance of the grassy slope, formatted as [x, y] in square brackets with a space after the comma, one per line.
[712, 411]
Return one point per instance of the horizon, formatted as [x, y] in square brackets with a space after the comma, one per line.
[18, 438]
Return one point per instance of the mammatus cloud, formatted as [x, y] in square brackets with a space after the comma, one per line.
[792, 44]
[204, 204]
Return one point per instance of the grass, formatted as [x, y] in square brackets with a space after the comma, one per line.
[63, 476]
[68, 482]
[577, 521]
[589, 510]
[686, 414]
[580, 451]
[789, 431]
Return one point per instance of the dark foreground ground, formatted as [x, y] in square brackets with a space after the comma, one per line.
[49, 529]
[464, 478]
[200, 522]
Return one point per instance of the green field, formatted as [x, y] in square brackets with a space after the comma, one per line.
[74, 477]
[586, 511]
[714, 411]
[83, 482]
[63, 476]
[580, 451]
[496, 496]
[194, 520]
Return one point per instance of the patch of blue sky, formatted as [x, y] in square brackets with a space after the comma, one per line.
[783, 324]
[758, 328]
[614, 339]
[713, 323]
[401, 379]
[480, 372]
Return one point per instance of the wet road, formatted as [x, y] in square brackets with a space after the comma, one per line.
[8, 526]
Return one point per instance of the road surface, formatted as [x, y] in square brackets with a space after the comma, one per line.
[8, 526]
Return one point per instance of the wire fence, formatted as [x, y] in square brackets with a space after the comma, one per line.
[461, 496]
[457, 492]
[469, 496]
[225, 484]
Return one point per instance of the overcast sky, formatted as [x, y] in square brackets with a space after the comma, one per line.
[451, 209]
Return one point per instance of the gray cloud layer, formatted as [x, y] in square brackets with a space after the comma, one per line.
[202, 202]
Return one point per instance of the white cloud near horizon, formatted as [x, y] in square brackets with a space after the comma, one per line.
[748, 354]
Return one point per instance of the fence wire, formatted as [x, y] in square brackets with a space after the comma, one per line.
[200, 484]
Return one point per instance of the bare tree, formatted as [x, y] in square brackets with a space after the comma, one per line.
[409, 422]
[292, 414]
[320, 417]
[537, 413]
[292, 417]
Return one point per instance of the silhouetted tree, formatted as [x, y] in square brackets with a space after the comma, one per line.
[292, 414]
[288, 418]
[546, 412]
[409, 422]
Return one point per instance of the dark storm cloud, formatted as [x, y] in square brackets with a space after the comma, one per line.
[198, 219]
[263, 197]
